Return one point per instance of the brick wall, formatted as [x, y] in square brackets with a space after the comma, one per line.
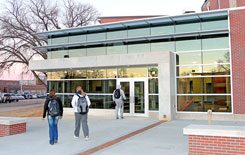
[224, 4]
[237, 34]
[240, 3]
[7, 130]
[216, 145]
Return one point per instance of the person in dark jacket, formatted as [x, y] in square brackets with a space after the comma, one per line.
[53, 107]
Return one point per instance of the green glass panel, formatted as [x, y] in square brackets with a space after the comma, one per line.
[189, 85]
[96, 51]
[162, 30]
[139, 97]
[216, 70]
[153, 102]
[116, 35]
[58, 41]
[100, 86]
[188, 58]
[215, 43]
[189, 70]
[59, 54]
[101, 102]
[77, 39]
[96, 37]
[138, 32]
[125, 86]
[214, 25]
[140, 48]
[116, 50]
[182, 28]
[49, 54]
[214, 57]
[163, 47]
[77, 53]
[204, 103]
[188, 45]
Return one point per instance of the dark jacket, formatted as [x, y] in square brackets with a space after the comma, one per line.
[46, 108]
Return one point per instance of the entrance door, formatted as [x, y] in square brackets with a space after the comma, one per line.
[135, 92]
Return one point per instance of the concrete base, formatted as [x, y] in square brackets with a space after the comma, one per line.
[215, 116]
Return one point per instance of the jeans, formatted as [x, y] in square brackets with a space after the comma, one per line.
[53, 129]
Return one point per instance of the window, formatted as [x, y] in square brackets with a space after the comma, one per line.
[139, 48]
[162, 30]
[214, 25]
[138, 32]
[194, 27]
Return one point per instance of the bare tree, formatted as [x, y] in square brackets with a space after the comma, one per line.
[22, 19]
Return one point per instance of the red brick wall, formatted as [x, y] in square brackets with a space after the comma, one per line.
[216, 145]
[224, 4]
[213, 4]
[237, 34]
[7, 130]
[240, 3]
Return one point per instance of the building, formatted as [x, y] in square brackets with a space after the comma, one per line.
[169, 66]
[209, 5]
[14, 86]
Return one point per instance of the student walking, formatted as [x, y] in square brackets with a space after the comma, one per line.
[54, 109]
[118, 97]
[80, 103]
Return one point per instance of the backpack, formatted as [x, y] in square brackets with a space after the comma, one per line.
[117, 94]
[82, 105]
[54, 109]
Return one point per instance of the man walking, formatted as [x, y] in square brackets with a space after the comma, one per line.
[118, 97]
[54, 108]
[80, 103]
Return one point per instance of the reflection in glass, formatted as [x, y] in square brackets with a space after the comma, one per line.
[189, 85]
[216, 70]
[126, 88]
[132, 72]
[153, 71]
[189, 70]
[188, 45]
[214, 57]
[79, 74]
[188, 58]
[153, 102]
[96, 73]
[101, 101]
[139, 97]
[163, 47]
[100, 86]
[215, 43]
[111, 73]
[207, 85]
[204, 103]
[139, 48]
[153, 86]
[58, 41]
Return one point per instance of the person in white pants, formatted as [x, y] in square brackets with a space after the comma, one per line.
[119, 101]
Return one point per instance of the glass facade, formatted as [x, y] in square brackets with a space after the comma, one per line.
[203, 75]
[99, 84]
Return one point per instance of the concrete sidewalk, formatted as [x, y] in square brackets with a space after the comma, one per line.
[166, 138]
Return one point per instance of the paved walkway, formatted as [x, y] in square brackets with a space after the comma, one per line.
[166, 138]
[21, 107]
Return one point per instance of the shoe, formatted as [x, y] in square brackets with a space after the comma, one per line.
[56, 141]
[122, 117]
[117, 118]
[86, 138]
[75, 136]
[51, 144]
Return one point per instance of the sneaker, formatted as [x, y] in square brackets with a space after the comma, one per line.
[56, 141]
[117, 118]
[51, 144]
[75, 136]
[86, 138]
[122, 117]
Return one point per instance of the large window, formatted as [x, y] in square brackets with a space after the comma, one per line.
[203, 75]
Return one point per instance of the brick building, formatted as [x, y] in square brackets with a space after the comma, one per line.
[169, 66]
[8, 86]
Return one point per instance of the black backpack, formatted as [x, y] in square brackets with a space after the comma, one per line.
[117, 94]
[82, 105]
[54, 108]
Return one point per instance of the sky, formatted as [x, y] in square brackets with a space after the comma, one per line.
[126, 8]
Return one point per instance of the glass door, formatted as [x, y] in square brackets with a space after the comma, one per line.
[135, 92]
